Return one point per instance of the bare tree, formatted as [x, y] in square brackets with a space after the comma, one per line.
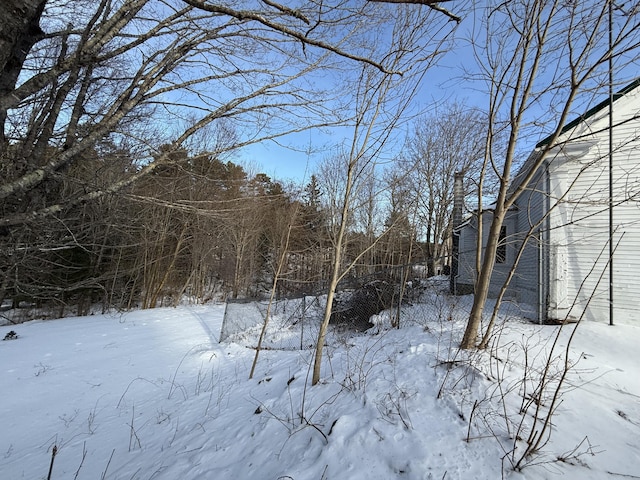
[200, 62]
[543, 61]
[281, 239]
[400, 222]
[449, 140]
[380, 98]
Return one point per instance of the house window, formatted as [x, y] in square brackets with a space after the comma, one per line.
[501, 251]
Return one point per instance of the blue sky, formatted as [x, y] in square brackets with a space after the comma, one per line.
[297, 156]
[442, 83]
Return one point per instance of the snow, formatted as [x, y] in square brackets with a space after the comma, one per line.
[152, 394]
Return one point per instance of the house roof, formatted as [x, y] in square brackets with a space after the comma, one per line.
[592, 111]
[535, 154]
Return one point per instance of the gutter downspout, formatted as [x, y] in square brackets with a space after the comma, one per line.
[544, 250]
[540, 282]
[611, 231]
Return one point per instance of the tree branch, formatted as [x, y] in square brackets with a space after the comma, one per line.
[433, 4]
[276, 27]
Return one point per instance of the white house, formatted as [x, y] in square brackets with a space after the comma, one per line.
[564, 223]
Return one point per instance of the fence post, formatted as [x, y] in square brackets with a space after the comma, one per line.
[302, 320]
[400, 294]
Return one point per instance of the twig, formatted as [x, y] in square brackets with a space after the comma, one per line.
[324, 472]
[433, 4]
[175, 374]
[318, 429]
[625, 475]
[288, 11]
[84, 455]
[473, 409]
[54, 451]
[104, 474]
[132, 432]
[129, 386]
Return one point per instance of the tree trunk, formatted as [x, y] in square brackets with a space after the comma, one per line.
[19, 32]
[335, 275]
[484, 278]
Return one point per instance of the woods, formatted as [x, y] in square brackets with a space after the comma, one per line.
[120, 184]
[117, 131]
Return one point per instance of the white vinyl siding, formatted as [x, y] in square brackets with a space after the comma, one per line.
[564, 268]
[587, 239]
[530, 207]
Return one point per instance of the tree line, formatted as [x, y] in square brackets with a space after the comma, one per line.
[202, 227]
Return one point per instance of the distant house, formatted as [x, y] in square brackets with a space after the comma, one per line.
[562, 223]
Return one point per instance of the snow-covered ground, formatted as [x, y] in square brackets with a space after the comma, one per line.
[153, 395]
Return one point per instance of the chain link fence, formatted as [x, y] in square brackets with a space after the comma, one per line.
[294, 322]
